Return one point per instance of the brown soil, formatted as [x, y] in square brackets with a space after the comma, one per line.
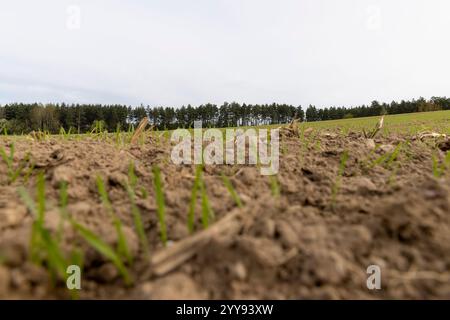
[300, 245]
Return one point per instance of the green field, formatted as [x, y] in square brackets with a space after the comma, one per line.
[438, 121]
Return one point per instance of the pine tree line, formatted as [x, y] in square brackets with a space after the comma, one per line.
[20, 118]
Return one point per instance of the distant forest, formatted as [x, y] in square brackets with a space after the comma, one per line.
[17, 118]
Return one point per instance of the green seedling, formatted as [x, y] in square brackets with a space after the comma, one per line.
[371, 134]
[28, 173]
[103, 248]
[231, 190]
[131, 190]
[118, 136]
[161, 207]
[193, 202]
[98, 130]
[303, 145]
[12, 171]
[40, 135]
[439, 169]
[394, 155]
[207, 212]
[91, 238]
[144, 193]
[38, 211]
[122, 246]
[367, 163]
[388, 158]
[317, 145]
[64, 134]
[63, 201]
[436, 166]
[284, 149]
[337, 183]
[130, 133]
[393, 174]
[274, 186]
[345, 131]
[44, 248]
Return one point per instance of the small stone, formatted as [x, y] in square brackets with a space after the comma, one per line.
[328, 267]
[265, 251]
[370, 144]
[107, 273]
[117, 178]
[265, 228]
[364, 185]
[18, 280]
[63, 174]
[34, 273]
[287, 234]
[14, 255]
[386, 148]
[80, 208]
[177, 286]
[178, 231]
[239, 271]
[248, 176]
[12, 216]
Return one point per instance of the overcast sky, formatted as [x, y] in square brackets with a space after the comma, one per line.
[175, 52]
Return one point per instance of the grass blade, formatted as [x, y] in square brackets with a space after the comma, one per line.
[122, 246]
[207, 211]
[131, 187]
[104, 249]
[160, 203]
[231, 190]
[193, 202]
[337, 183]
[275, 187]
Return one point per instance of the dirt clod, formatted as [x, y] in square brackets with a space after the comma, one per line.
[176, 286]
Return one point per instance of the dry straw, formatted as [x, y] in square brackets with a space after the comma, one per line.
[140, 129]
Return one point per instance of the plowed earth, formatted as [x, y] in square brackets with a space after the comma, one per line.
[301, 244]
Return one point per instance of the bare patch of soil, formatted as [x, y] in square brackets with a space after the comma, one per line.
[300, 245]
